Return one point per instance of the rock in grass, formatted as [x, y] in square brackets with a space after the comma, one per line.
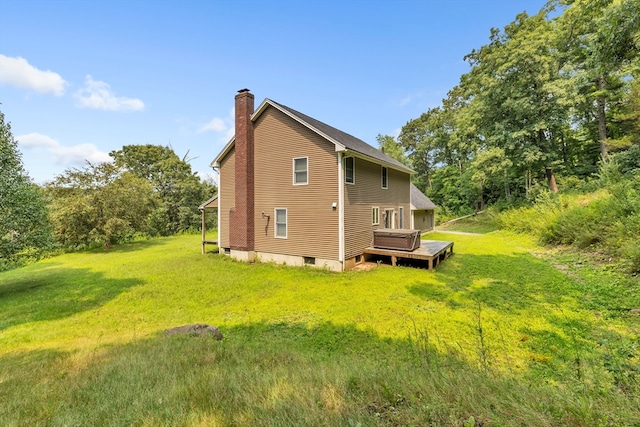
[197, 329]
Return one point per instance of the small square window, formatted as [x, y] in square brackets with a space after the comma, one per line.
[300, 171]
[349, 170]
[281, 223]
[385, 177]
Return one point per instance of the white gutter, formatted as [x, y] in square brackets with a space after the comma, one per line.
[340, 210]
[219, 210]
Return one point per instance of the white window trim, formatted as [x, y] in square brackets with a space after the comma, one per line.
[375, 209]
[384, 171]
[354, 170]
[401, 217]
[275, 223]
[293, 165]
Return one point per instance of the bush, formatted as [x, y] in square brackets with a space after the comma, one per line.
[608, 220]
[535, 219]
[577, 225]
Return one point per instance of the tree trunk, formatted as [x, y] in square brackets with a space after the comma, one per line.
[507, 190]
[551, 180]
[602, 118]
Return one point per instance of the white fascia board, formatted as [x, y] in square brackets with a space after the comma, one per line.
[216, 162]
[338, 146]
[267, 101]
[376, 161]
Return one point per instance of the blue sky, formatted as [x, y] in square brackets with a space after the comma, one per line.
[81, 78]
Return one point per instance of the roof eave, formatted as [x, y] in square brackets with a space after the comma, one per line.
[267, 101]
[339, 147]
[216, 162]
[204, 205]
[378, 161]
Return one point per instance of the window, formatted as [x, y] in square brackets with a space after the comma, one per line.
[300, 171]
[281, 223]
[375, 216]
[349, 170]
[385, 177]
[401, 217]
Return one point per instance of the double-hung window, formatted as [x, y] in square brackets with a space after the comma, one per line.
[301, 171]
[349, 170]
[385, 177]
[280, 223]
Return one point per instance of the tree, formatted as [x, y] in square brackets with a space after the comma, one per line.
[178, 189]
[99, 204]
[392, 148]
[518, 97]
[24, 221]
[601, 45]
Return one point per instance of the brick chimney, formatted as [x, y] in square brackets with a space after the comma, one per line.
[241, 221]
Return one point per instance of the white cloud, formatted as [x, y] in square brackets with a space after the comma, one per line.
[18, 72]
[224, 125]
[62, 155]
[216, 125]
[97, 95]
[410, 98]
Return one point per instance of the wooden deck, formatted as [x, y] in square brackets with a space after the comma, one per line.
[432, 251]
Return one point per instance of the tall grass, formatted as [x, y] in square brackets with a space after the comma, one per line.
[606, 222]
[495, 336]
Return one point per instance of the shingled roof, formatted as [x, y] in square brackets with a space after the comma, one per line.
[342, 139]
[419, 201]
[347, 141]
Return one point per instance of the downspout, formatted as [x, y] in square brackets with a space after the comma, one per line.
[340, 210]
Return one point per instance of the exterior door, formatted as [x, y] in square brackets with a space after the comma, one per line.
[389, 218]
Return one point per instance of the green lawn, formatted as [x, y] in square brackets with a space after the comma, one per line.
[495, 336]
[482, 223]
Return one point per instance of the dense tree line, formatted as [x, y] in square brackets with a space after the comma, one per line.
[146, 190]
[547, 100]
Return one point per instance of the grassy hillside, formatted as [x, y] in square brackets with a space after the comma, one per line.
[496, 336]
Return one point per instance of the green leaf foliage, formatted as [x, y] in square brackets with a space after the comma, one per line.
[99, 204]
[545, 100]
[24, 224]
[179, 190]
[147, 190]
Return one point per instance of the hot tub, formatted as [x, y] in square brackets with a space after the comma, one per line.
[398, 239]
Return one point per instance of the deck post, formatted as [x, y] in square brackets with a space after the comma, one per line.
[204, 228]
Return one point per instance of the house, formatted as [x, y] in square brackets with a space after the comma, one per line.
[422, 211]
[296, 191]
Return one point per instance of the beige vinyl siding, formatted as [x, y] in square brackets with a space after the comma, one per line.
[423, 220]
[312, 223]
[367, 193]
[227, 195]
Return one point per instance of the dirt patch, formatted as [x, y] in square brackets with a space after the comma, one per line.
[197, 329]
[365, 266]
